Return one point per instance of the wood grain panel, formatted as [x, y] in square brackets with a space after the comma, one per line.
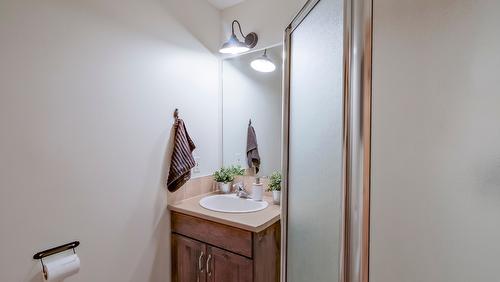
[226, 237]
[267, 252]
[228, 267]
[187, 257]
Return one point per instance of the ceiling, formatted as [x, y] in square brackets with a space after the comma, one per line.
[223, 4]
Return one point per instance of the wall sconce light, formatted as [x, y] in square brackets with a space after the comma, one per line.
[263, 63]
[234, 46]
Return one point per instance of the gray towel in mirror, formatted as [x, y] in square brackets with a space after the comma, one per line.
[253, 157]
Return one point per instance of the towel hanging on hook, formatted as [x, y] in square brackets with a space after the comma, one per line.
[182, 160]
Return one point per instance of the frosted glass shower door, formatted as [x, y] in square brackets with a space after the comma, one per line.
[315, 145]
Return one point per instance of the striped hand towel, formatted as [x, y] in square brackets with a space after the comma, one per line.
[182, 160]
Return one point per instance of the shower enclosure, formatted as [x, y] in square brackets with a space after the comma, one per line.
[401, 172]
[326, 154]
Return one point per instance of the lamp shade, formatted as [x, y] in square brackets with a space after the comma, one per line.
[233, 46]
[263, 64]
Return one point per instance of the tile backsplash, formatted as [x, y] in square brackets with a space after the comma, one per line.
[248, 181]
[194, 187]
[206, 184]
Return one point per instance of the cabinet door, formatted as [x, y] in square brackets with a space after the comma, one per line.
[188, 260]
[223, 266]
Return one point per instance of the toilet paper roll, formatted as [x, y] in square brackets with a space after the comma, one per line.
[60, 268]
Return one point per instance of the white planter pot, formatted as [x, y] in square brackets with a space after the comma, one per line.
[224, 188]
[276, 197]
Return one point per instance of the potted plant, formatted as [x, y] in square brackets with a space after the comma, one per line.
[224, 177]
[237, 170]
[275, 186]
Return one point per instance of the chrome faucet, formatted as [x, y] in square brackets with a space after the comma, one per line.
[239, 188]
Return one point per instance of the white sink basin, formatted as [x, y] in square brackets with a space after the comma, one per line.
[232, 204]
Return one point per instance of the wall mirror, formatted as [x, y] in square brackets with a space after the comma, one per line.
[252, 94]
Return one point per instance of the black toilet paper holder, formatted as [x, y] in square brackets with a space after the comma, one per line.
[55, 250]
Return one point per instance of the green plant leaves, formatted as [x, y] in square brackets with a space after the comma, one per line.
[227, 175]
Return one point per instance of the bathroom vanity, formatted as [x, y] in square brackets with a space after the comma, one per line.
[225, 238]
[224, 247]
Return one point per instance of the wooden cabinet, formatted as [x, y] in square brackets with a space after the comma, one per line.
[187, 259]
[226, 266]
[206, 251]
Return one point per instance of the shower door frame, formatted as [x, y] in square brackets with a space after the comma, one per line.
[356, 145]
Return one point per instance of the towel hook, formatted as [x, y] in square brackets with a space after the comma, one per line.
[176, 113]
[249, 122]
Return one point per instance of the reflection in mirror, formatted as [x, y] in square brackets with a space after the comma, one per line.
[252, 94]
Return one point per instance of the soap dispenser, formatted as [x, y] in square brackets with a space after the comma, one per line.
[257, 190]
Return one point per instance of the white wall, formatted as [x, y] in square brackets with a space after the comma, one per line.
[436, 136]
[87, 90]
[267, 18]
[248, 94]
